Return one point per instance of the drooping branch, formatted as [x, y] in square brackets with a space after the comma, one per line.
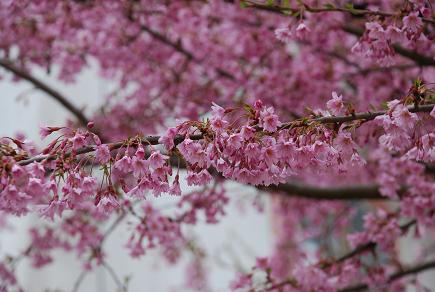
[365, 116]
[362, 192]
[78, 113]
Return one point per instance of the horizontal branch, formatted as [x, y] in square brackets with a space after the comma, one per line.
[365, 116]
[362, 192]
[179, 48]
[154, 140]
[146, 140]
[9, 66]
[359, 250]
[395, 276]
[420, 59]
[369, 245]
[304, 7]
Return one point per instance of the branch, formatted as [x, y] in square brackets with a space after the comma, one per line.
[179, 48]
[420, 59]
[366, 116]
[360, 249]
[9, 66]
[370, 245]
[305, 7]
[154, 140]
[363, 192]
[79, 281]
[395, 276]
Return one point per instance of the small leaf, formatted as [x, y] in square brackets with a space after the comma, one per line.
[286, 4]
[349, 6]
[329, 6]
[248, 108]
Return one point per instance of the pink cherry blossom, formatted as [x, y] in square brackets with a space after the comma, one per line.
[102, 153]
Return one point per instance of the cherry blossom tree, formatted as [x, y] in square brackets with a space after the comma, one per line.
[326, 107]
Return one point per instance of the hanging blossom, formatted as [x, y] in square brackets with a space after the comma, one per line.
[156, 230]
[376, 43]
[296, 32]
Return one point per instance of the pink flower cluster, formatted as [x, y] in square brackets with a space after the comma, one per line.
[381, 228]
[399, 126]
[156, 230]
[258, 151]
[43, 242]
[377, 41]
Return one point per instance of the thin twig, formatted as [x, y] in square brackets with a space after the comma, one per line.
[114, 276]
[78, 113]
[395, 276]
[305, 7]
[179, 48]
[420, 59]
[79, 281]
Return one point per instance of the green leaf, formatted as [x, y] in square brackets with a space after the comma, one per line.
[286, 4]
[352, 9]
[296, 13]
[329, 6]
[248, 108]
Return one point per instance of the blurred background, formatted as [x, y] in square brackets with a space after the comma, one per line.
[242, 235]
[234, 243]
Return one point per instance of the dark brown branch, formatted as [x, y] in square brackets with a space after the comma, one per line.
[9, 66]
[420, 59]
[305, 7]
[381, 69]
[369, 245]
[397, 275]
[363, 192]
[364, 116]
[179, 48]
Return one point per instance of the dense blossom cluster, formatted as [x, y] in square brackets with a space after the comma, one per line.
[261, 151]
[171, 61]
